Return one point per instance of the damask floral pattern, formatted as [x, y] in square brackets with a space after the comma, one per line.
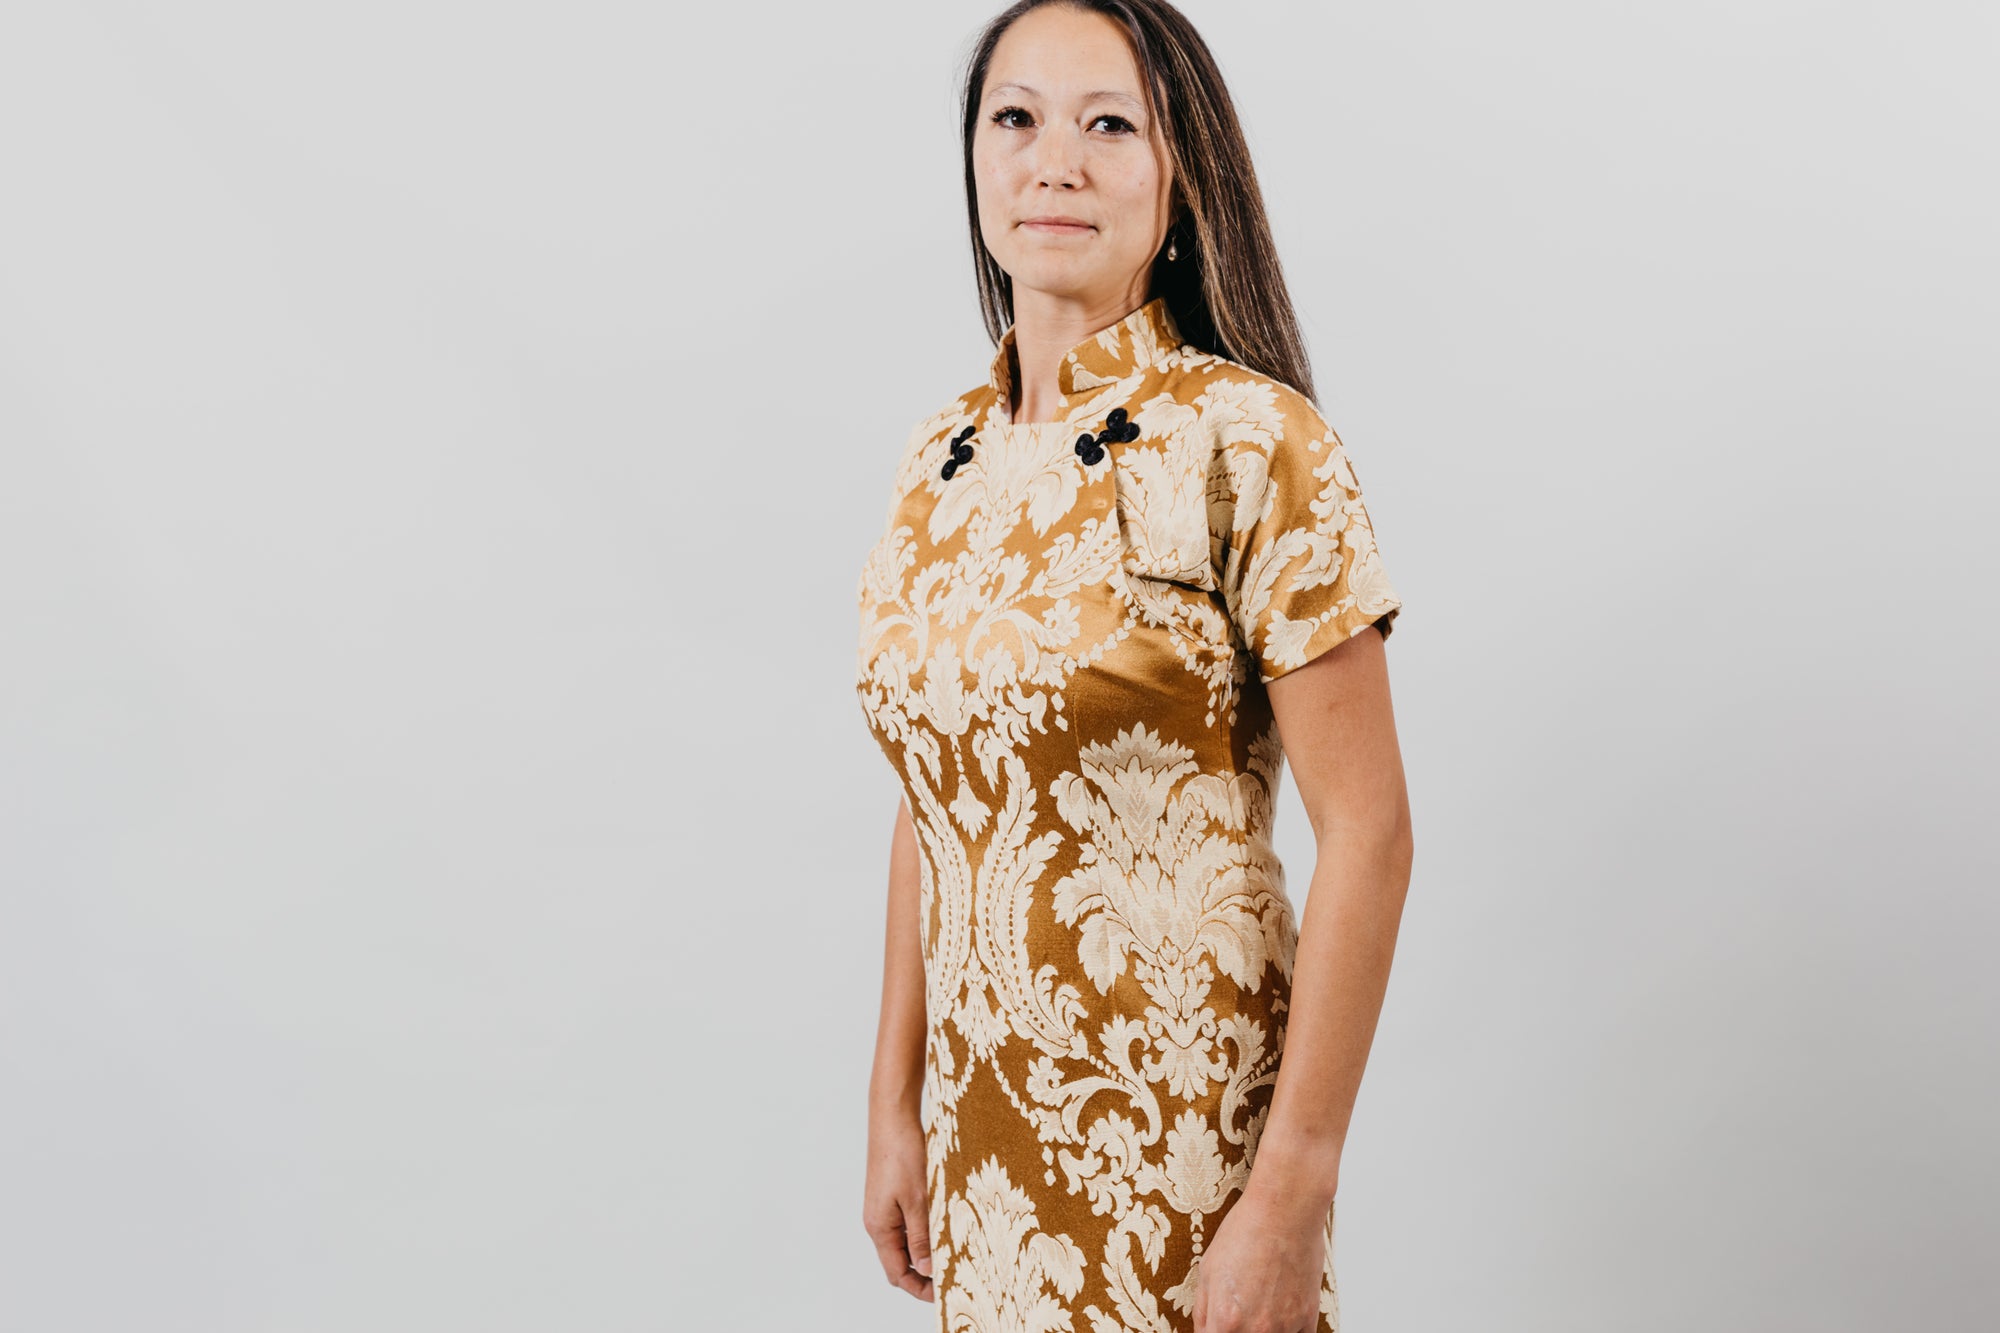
[1063, 654]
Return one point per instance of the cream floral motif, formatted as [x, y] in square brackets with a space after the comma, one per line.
[1065, 664]
[1002, 1267]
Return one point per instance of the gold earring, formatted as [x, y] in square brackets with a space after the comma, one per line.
[1171, 242]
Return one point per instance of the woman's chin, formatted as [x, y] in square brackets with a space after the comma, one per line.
[1074, 276]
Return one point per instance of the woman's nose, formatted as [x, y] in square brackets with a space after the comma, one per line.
[1058, 158]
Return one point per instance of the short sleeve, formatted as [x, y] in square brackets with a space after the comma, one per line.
[1295, 551]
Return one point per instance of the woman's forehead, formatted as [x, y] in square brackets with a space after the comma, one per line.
[1057, 51]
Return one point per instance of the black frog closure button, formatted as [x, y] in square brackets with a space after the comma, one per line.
[1118, 429]
[961, 452]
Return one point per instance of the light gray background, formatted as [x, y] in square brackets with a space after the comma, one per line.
[441, 856]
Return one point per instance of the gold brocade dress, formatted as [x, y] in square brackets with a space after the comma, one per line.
[1066, 631]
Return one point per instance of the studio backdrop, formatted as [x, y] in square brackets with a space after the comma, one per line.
[442, 858]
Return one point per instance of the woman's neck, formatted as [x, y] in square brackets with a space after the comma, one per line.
[1045, 329]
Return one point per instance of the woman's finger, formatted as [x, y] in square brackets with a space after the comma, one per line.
[891, 1237]
[917, 1222]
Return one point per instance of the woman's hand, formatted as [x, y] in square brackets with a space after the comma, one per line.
[895, 1208]
[1261, 1273]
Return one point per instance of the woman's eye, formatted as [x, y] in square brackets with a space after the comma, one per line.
[1119, 125]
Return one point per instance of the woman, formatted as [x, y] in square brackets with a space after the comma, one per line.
[1114, 574]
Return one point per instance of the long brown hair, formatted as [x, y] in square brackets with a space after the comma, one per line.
[1225, 288]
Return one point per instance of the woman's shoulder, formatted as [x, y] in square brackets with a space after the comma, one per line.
[1238, 411]
[1215, 385]
[929, 430]
[969, 408]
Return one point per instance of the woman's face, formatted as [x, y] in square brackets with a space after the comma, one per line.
[1063, 133]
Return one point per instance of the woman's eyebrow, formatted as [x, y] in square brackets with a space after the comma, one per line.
[1111, 93]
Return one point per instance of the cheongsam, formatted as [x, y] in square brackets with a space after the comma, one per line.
[1067, 629]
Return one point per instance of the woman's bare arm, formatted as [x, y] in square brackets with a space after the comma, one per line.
[895, 1209]
[1339, 731]
[897, 1083]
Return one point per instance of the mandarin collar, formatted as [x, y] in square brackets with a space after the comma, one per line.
[1135, 343]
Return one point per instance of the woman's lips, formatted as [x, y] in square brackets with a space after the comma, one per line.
[1060, 228]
